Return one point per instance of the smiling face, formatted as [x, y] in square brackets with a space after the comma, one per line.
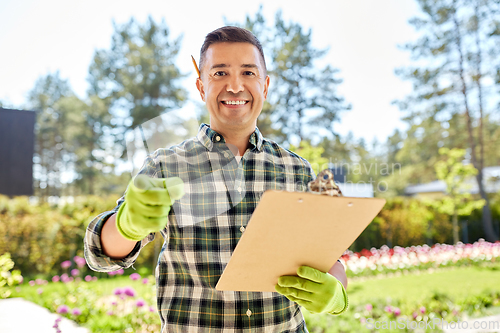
[234, 86]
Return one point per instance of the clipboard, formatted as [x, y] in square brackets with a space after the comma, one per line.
[290, 229]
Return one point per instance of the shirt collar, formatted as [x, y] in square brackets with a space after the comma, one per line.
[208, 137]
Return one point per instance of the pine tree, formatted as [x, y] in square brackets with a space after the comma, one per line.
[457, 55]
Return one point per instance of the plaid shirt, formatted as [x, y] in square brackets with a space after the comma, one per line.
[204, 227]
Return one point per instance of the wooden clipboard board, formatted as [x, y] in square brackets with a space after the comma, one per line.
[290, 229]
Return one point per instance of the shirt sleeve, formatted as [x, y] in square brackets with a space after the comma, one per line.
[96, 259]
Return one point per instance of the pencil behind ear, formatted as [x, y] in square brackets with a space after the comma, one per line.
[196, 67]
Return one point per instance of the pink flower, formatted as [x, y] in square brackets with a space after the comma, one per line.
[151, 309]
[118, 272]
[62, 309]
[76, 312]
[75, 272]
[368, 307]
[55, 278]
[397, 312]
[388, 309]
[118, 291]
[94, 278]
[129, 291]
[415, 315]
[66, 264]
[39, 291]
[135, 276]
[80, 262]
[422, 309]
[32, 283]
[110, 313]
[140, 303]
[88, 278]
[145, 281]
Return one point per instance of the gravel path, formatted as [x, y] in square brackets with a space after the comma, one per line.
[20, 316]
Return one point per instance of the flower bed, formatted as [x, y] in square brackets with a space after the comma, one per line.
[386, 260]
[116, 304]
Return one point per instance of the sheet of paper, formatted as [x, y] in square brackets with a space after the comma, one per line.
[290, 229]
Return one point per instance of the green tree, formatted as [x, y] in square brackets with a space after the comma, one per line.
[455, 174]
[458, 53]
[311, 154]
[137, 77]
[88, 136]
[302, 96]
[51, 149]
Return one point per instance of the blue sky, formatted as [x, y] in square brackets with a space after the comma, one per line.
[38, 37]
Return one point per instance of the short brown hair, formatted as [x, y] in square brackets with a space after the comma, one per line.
[233, 35]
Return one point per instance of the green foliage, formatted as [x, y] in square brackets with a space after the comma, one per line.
[138, 72]
[405, 222]
[312, 154]
[51, 146]
[101, 310]
[457, 60]
[459, 293]
[301, 95]
[132, 82]
[413, 297]
[454, 173]
[40, 236]
[7, 278]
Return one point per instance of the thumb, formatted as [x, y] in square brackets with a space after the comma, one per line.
[175, 187]
[144, 182]
[312, 274]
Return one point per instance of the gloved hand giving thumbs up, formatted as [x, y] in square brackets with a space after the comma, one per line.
[147, 204]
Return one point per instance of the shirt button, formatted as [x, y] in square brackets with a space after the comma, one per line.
[249, 313]
[242, 229]
[217, 138]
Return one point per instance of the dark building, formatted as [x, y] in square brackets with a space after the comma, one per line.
[17, 141]
[339, 173]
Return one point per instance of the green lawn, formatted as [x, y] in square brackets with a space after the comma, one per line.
[449, 294]
[458, 282]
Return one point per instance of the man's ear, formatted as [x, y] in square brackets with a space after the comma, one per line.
[266, 86]
[199, 85]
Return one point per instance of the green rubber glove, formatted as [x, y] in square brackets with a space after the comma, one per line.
[147, 204]
[314, 290]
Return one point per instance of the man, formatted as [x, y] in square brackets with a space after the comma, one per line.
[214, 182]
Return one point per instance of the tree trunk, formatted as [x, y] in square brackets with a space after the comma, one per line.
[455, 228]
[487, 223]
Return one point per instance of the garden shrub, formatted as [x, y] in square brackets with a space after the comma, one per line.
[7, 278]
[39, 236]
